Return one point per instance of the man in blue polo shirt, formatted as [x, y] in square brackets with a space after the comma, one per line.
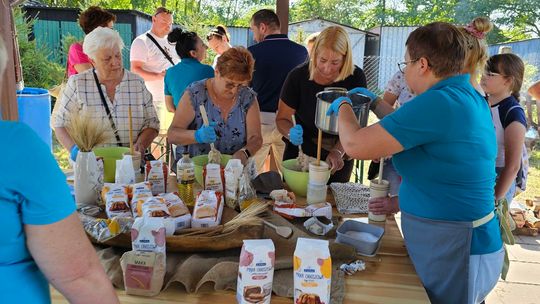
[275, 56]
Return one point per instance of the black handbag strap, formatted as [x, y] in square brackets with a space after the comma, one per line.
[160, 48]
[104, 102]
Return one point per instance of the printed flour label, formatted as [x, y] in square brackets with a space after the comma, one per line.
[256, 272]
[312, 272]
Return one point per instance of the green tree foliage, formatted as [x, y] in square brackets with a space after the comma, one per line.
[38, 70]
[514, 19]
[362, 14]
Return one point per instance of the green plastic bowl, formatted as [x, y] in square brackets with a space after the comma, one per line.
[201, 160]
[296, 180]
[110, 156]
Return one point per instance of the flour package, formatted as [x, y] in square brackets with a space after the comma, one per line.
[116, 200]
[213, 177]
[256, 272]
[180, 216]
[144, 272]
[148, 234]
[312, 272]
[140, 192]
[208, 209]
[156, 173]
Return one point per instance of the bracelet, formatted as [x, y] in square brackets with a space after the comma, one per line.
[246, 152]
[374, 104]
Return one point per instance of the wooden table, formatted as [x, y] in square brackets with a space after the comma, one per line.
[389, 278]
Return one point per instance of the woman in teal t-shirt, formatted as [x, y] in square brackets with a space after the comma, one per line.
[444, 147]
[42, 237]
[192, 50]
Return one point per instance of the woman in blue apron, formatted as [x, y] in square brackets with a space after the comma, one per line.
[444, 147]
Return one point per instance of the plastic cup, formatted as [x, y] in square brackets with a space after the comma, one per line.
[136, 157]
[378, 190]
[319, 175]
[316, 193]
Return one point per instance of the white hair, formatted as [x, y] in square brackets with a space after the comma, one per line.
[3, 56]
[101, 38]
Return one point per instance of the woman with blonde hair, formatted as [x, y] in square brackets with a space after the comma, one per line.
[330, 65]
[476, 48]
[310, 41]
[232, 108]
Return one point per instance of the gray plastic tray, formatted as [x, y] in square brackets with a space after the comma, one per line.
[362, 247]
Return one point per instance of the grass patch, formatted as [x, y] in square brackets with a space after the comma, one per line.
[60, 154]
[533, 180]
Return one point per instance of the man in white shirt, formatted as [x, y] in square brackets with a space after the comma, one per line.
[151, 55]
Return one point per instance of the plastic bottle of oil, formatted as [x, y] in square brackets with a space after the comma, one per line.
[185, 173]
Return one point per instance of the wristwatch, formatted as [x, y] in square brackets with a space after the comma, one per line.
[246, 152]
[374, 104]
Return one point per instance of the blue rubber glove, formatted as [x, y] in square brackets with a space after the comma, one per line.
[206, 134]
[295, 135]
[73, 152]
[334, 107]
[363, 91]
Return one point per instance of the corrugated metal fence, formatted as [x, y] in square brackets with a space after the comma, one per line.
[51, 33]
[528, 50]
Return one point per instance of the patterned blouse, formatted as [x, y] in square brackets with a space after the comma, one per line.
[81, 95]
[231, 133]
[398, 87]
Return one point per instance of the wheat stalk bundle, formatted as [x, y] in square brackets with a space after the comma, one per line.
[250, 216]
[88, 132]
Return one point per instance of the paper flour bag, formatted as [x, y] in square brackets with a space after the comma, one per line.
[256, 272]
[143, 272]
[312, 272]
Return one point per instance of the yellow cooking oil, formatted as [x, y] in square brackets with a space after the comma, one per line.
[185, 172]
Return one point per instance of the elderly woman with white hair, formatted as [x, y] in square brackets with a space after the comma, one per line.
[43, 241]
[107, 92]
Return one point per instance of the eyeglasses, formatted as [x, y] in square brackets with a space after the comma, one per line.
[403, 65]
[231, 85]
[492, 74]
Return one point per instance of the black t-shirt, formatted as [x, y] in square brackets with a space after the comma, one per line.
[299, 92]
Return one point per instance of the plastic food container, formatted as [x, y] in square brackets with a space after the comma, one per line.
[364, 237]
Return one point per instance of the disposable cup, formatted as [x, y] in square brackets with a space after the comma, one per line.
[136, 157]
[378, 190]
[316, 193]
[319, 175]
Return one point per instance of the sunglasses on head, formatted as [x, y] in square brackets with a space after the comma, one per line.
[212, 34]
[162, 10]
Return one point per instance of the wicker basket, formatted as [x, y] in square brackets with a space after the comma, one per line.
[350, 197]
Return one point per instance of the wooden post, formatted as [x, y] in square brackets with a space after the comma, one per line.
[282, 10]
[8, 97]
